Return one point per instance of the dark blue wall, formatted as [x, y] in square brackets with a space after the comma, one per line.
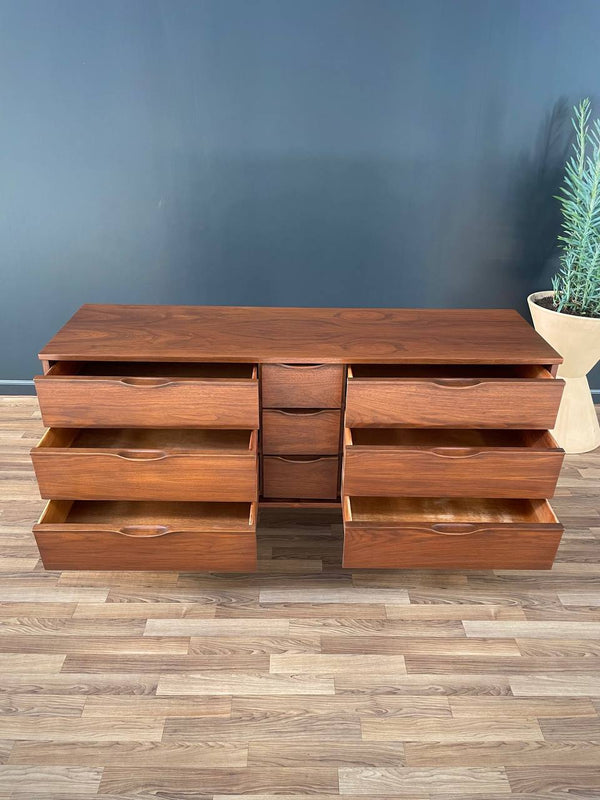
[291, 152]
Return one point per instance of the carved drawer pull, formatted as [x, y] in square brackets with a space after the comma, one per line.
[146, 383]
[457, 383]
[142, 455]
[302, 460]
[440, 452]
[303, 366]
[455, 452]
[302, 412]
[144, 531]
[456, 528]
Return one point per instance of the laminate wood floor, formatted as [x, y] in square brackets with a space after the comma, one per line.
[300, 681]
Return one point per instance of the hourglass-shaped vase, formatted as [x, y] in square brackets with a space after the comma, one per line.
[577, 339]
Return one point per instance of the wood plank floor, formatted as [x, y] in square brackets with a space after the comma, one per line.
[303, 680]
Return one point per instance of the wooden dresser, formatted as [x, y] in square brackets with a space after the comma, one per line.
[168, 427]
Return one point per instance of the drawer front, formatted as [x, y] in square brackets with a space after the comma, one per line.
[301, 433]
[73, 401]
[302, 385]
[453, 403]
[71, 548]
[475, 547]
[145, 475]
[136, 535]
[450, 472]
[314, 479]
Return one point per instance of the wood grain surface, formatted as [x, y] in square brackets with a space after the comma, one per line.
[136, 535]
[71, 395]
[147, 464]
[380, 399]
[449, 533]
[298, 335]
[302, 681]
[300, 432]
[310, 477]
[450, 463]
[302, 385]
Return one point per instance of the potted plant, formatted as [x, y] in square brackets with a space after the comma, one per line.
[568, 317]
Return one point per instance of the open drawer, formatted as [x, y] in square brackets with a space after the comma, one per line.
[142, 464]
[177, 395]
[452, 396]
[147, 536]
[447, 533]
[450, 462]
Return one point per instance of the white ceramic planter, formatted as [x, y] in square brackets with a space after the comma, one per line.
[577, 339]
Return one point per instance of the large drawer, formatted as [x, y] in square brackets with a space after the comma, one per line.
[113, 394]
[411, 462]
[444, 533]
[147, 464]
[100, 535]
[452, 396]
[302, 385]
[301, 431]
[300, 477]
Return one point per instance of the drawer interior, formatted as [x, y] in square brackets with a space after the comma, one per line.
[452, 371]
[118, 514]
[168, 439]
[427, 510]
[152, 369]
[449, 437]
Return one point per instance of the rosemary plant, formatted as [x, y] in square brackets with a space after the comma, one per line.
[577, 284]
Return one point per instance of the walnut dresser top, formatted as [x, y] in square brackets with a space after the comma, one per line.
[298, 335]
[171, 429]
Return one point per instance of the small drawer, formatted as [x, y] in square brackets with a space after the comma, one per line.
[452, 396]
[177, 395]
[445, 533]
[101, 535]
[147, 464]
[302, 385]
[411, 462]
[301, 431]
[300, 477]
